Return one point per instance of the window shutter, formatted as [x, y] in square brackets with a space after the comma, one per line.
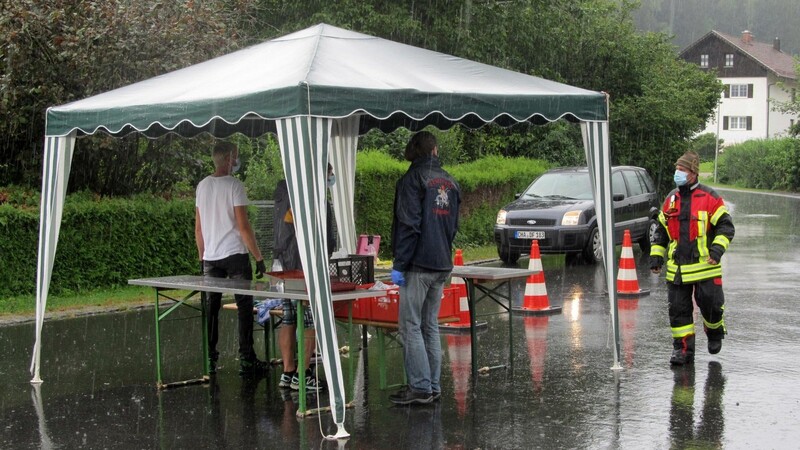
[749, 122]
[727, 90]
[749, 91]
[725, 122]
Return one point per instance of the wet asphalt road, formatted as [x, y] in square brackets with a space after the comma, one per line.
[99, 391]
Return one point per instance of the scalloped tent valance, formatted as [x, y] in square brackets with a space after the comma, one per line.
[324, 71]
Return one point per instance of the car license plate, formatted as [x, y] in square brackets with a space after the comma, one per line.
[529, 234]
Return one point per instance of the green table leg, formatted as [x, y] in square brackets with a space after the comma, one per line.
[301, 371]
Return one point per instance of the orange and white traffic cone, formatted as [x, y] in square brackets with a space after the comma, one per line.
[627, 283]
[535, 300]
[462, 310]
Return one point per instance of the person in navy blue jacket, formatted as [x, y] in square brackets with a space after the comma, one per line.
[425, 222]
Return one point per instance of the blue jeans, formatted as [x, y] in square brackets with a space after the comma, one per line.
[236, 267]
[420, 299]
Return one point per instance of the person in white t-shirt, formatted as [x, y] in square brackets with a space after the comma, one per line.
[224, 236]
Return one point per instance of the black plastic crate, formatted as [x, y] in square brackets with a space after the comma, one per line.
[358, 269]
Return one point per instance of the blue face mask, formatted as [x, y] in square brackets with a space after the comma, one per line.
[331, 180]
[680, 177]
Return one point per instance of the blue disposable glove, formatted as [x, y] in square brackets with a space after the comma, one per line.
[398, 278]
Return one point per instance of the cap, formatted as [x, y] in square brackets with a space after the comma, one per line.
[690, 161]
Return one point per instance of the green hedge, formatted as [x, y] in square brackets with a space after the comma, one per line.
[762, 164]
[105, 242]
[486, 185]
[102, 243]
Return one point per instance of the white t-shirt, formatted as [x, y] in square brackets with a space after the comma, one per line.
[216, 198]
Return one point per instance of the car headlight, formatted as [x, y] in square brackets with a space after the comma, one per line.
[501, 217]
[571, 218]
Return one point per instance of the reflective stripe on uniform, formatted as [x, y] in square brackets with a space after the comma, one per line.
[657, 250]
[718, 213]
[702, 240]
[722, 240]
[681, 332]
[693, 272]
[716, 325]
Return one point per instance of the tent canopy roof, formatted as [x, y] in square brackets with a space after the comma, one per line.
[325, 71]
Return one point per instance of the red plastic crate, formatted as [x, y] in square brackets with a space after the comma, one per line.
[362, 308]
[386, 308]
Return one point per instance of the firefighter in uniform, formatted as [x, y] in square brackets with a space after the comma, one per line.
[695, 232]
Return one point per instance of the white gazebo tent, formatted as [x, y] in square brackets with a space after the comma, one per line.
[318, 89]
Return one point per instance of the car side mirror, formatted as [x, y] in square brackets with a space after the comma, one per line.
[618, 197]
[517, 195]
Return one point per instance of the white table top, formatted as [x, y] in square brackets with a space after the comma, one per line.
[257, 288]
[490, 273]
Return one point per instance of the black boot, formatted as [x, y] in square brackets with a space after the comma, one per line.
[682, 351]
[714, 346]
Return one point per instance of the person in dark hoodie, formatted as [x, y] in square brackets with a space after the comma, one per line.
[695, 232]
[426, 204]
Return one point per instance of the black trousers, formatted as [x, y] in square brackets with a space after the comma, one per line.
[236, 267]
[709, 298]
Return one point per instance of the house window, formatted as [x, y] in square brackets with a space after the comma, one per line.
[737, 122]
[704, 61]
[729, 60]
[739, 91]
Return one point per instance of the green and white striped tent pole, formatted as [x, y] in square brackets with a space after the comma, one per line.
[342, 156]
[57, 159]
[304, 144]
[596, 146]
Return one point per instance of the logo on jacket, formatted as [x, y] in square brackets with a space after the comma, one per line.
[442, 200]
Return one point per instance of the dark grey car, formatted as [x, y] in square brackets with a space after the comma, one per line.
[558, 210]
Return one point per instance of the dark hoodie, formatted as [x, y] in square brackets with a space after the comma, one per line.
[425, 221]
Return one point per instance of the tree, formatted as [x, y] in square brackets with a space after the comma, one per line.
[656, 102]
[791, 106]
[54, 52]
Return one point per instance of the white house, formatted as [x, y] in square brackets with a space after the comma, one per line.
[755, 75]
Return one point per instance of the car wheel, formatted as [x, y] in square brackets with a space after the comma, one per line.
[593, 253]
[644, 242]
[507, 255]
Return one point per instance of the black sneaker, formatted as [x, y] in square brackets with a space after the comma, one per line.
[714, 346]
[254, 367]
[311, 382]
[407, 396]
[286, 379]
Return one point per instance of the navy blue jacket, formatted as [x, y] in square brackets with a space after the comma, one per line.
[426, 203]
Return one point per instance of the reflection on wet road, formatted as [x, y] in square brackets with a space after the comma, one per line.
[99, 375]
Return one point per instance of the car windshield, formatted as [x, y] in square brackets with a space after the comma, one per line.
[561, 185]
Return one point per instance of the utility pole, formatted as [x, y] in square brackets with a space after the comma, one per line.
[716, 140]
